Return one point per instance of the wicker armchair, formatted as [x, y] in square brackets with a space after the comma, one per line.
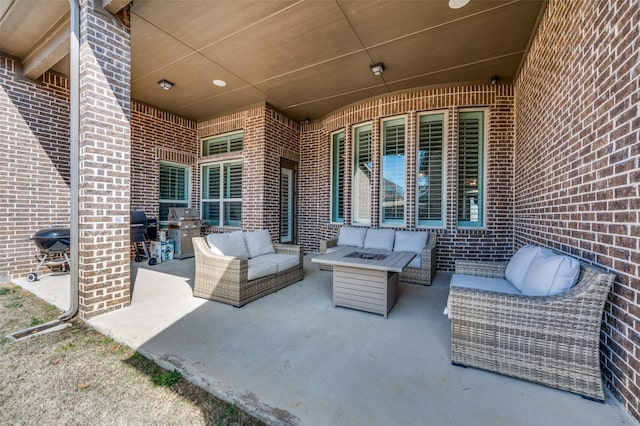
[424, 275]
[552, 340]
[224, 278]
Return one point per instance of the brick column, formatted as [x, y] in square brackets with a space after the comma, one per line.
[104, 169]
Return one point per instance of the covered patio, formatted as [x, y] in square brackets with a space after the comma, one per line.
[494, 125]
[291, 358]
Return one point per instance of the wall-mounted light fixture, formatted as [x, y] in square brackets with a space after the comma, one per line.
[494, 79]
[457, 4]
[165, 84]
[377, 69]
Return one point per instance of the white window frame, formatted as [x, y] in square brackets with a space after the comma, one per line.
[222, 200]
[187, 188]
[354, 193]
[482, 185]
[393, 223]
[442, 223]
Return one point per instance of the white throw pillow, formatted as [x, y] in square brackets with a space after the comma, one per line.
[380, 239]
[228, 244]
[519, 265]
[259, 242]
[351, 236]
[550, 274]
[410, 241]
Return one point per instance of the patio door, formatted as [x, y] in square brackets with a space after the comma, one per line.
[288, 201]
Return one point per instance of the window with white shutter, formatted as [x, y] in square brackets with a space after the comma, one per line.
[174, 188]
[337, 177]
[470, 168]
[361, 182]
[222, 194]
[430, 178]
[393, 171]
[222, 144]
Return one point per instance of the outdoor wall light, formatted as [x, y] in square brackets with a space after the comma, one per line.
[494, 79]
[377, 69]
[165, 84]
[457, 4]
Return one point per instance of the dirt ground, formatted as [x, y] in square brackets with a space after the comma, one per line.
[78, 376]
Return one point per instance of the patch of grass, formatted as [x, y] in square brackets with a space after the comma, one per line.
[36, 321]
[4, 291]
[166, 378]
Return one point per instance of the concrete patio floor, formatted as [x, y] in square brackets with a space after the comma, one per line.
[291, 358]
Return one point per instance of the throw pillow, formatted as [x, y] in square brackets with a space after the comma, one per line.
[519, 265]
[228, 244]
[259, 242]
[351, 236]
[379, 239]
[550, 274]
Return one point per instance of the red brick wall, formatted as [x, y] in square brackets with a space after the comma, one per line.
[34, 165]
[159, 136]
[268, 136]
[493, 241]
[577, 161]
[104, 164]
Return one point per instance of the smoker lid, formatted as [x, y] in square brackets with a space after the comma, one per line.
[183, 213]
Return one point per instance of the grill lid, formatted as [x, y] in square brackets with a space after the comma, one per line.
[178, 214]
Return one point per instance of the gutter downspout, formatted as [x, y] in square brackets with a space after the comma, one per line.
[74, 159]
[74, 154]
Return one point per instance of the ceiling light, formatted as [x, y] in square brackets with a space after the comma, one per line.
[165, 84]
[457, 4]
[220, 83]
[377, 69]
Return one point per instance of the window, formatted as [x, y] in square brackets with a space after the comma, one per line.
[222, 194]
[393, 171]
[174, 188]
[337, 177]
[222, 144]
[430, 179]
[361, 196]
[470, 168]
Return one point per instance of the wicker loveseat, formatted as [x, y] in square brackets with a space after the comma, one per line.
[228, 278]
[552, 340]
[420, 271]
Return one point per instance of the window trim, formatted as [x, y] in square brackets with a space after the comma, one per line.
[482, 186]
[397, 224]
[188, 171]
[442, 224]
[222, 200]
[333, 214]
[353, 156]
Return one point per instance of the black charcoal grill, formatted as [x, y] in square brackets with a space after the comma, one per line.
[139, 237]
[53, 244]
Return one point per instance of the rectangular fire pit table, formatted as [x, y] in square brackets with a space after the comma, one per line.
[366, 279]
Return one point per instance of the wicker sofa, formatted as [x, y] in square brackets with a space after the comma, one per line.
[553, 340]
[228, 278]
[420, 271]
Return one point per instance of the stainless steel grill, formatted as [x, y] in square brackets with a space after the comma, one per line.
[184, 224]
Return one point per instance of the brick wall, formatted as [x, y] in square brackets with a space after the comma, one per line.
[104, 163]
[34, 165]
[268, 136]
[494, 241]
[577, 160]
[159, 136]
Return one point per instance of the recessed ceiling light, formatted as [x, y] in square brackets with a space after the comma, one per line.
[220, 83]
[457, 4]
